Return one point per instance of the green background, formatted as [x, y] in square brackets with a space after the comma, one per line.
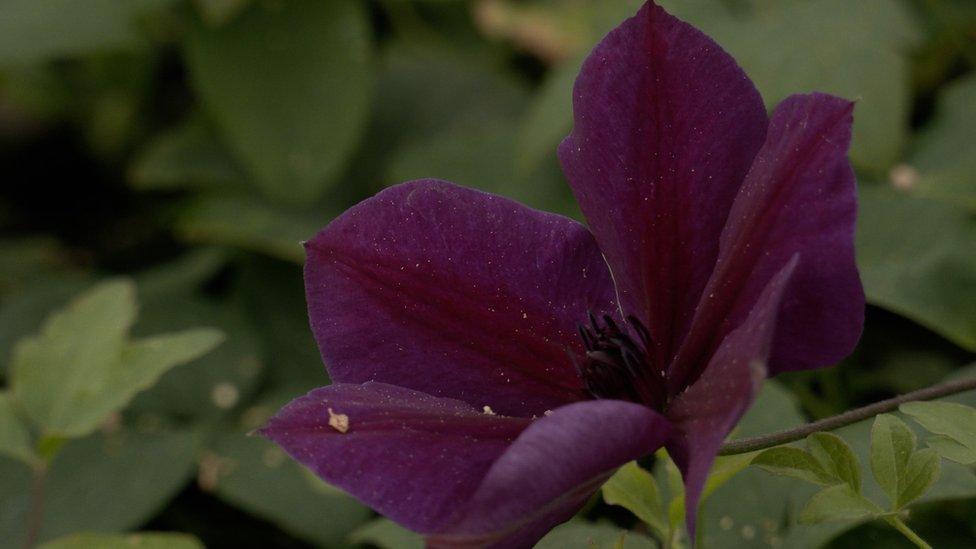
[191, 145]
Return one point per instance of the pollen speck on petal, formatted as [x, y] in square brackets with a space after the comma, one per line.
[488, 411]
[339, 422]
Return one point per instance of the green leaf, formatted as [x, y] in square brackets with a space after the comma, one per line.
[956, 421]
[22, 313]
[145, 360]
[794, 462]
[799, 47]
[755, 509]
[81, 367]
[14, 434]
[917, 258]
[214, 384]
[289, 85]
[39, 92]
[32, 31]
[183, 276]
[244, 221]
[189, 155]
[921, 472]
[479, 155]
[464, 129]
[255, 475]
[837, 458]
[470, 91]
[580, 534]
[945, 153]
[73, 354]
[548, 118]
[907, 363]
[386, 534]
[724, 468]
[955, 483]
[483, 157]
[274, 295]
[892, 446]
[409, 135]
[676, 488]
[218, 12]
[952, 450]
[24, 258]
[959, 373]
[142, 540]
[636, 490]
[127, 478]
[837, 502]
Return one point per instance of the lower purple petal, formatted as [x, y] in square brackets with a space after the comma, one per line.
[412, 457]
[550, 471]
[464, 477]
[705, 413]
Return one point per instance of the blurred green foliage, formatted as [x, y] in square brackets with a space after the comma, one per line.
[192, 144]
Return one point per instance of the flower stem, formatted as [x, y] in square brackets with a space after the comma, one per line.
[899, 525]
[672, 541]
[751, 444]
[35, 514]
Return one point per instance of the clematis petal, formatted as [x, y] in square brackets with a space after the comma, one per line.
[799, 196]
[409, 455]
[706, 412]
[666, 127]
[466, 478]
[550, 471]
[456, 293]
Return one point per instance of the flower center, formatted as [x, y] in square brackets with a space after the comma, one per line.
[617, 364]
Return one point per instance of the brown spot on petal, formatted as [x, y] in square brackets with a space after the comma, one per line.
[339, 422]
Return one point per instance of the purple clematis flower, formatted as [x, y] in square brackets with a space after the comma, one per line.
[493, 365]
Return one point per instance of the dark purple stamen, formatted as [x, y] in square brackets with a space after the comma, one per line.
[617, 364]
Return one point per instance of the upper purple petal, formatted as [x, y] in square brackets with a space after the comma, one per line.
[799, 197]
[456, 293]
[706, 412]
[550, 471]
[666, 127]
[413, 457]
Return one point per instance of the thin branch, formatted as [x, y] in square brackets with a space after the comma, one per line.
[35, 515]
[899, 525]
[751, 444]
